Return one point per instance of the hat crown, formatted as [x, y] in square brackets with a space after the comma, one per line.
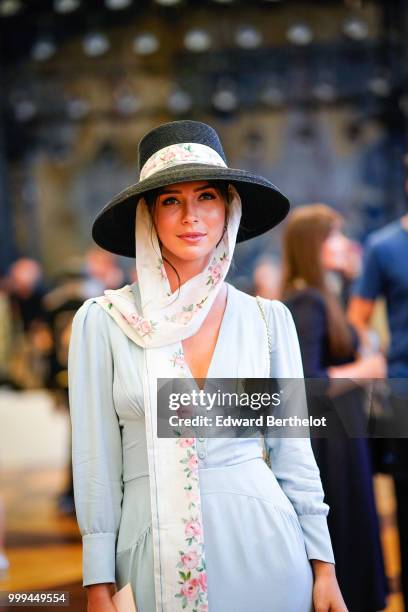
[177, 132]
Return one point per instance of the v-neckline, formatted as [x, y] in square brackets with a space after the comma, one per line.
[225, 317]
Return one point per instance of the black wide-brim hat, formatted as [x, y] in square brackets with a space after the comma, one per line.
[162, 161]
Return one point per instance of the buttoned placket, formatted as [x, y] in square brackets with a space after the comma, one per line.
[201, 450]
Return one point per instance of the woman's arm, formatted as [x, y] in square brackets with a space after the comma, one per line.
[100, 598]
[309, 315]
[96, 443]
[327, 596]
[374, 366]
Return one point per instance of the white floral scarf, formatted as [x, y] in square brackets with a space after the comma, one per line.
[159, 326]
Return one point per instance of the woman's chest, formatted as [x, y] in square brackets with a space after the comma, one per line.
[237, 349]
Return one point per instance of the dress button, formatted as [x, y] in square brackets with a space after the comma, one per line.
[201, 439]
[201, 454]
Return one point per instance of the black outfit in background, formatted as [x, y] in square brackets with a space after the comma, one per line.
[29, 309]
[345, 469]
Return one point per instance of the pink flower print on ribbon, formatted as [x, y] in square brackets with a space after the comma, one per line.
[184, 412]
[177, 359]
[132, 318]
[200, 304]
[215, 270]
[193, 496]
[202, 608]
[145, 327]
[190, 589]
[193, 463]
[186, 442]
[169, 155]
[215, 273]
[202, 579]
[192, 529]
[181, 152]
[190, 560]
[186, 314]
[161, 269]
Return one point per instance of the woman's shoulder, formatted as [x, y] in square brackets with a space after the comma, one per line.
[91, 317]
[275, 310]
[308, 298]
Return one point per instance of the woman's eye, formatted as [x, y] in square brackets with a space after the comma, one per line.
[207, 195]
[168, 201]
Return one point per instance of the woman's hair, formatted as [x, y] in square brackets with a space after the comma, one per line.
[306, 230]
[151, 200]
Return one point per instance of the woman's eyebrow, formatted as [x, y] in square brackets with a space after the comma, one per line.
[206, 186]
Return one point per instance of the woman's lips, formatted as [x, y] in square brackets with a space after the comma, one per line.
[193, 237]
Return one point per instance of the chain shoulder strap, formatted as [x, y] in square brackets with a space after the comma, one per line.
[262, 309]
[265, 453]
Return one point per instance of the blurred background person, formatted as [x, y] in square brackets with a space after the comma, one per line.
[267, 278]
[385, 273]
[102, 271]
[314, 247]
[25, 288]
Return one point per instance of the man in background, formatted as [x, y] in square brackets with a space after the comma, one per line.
[385, 273]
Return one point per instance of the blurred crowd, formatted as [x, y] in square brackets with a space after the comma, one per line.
[330, 283]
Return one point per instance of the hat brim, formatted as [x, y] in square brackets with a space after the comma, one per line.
[263, 205]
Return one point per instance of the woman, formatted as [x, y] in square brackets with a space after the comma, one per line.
[192, 523]
[315, 253]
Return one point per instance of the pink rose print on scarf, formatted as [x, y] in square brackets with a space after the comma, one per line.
[145, 327]
[161, 269]
[186, 442]
[190, 462]
[132, 318]
[190, 560]
[202, 579]
[193, 463]
[215, 273]
[216, 270]
[190, 589]
[202, 608]
[192, 529]
[186, 315]
[184, 412]
[177, 359]
[193, 497]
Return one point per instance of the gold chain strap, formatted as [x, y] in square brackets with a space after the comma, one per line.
[261, 308]
[265, 453]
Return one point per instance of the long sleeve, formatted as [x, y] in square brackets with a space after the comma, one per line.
[96, 442]
[292, 459]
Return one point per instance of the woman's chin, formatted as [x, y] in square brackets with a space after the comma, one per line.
[190, 253]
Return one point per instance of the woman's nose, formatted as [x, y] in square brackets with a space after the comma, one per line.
[190, 212]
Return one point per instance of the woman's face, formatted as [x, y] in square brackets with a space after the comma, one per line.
[189, 220]
[339, 253]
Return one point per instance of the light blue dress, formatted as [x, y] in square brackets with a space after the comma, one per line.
[261, 526]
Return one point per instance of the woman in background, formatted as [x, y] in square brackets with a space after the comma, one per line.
[314, 247]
